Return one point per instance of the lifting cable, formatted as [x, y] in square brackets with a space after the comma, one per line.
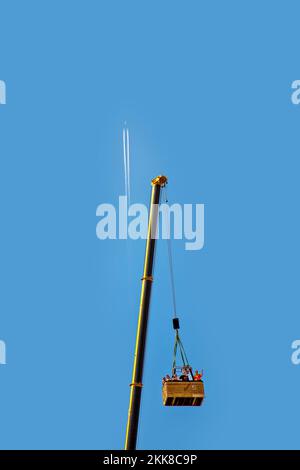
[171, 260]
[176, 326]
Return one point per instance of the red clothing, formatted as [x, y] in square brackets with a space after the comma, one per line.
[198, 377]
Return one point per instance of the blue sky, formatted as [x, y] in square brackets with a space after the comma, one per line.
[205, 89]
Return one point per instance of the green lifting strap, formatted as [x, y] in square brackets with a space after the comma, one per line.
[183, 351]
[183, 355]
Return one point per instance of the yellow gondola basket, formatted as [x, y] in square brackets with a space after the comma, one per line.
[183, 393]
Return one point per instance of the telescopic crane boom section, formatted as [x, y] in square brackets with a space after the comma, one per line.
[141, 335]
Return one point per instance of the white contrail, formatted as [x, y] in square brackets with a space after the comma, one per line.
[128, 167]
[125, 162]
